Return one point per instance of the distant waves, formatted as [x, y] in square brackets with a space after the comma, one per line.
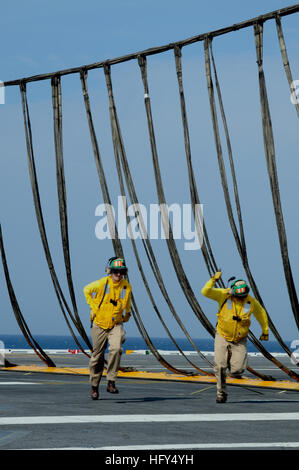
[164, 344]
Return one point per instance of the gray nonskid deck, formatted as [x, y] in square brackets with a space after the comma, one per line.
[54, 411]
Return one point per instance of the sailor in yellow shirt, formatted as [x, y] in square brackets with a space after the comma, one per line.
[109, 299]
[235, 309]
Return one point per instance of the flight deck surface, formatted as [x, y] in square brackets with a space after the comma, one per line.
[54, 411]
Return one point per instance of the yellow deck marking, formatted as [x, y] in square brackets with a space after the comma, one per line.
[278, 384]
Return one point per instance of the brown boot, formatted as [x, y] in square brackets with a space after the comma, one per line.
[111, 387]
[94, 393]
[221, 398]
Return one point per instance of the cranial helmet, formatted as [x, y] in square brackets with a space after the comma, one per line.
[116, 265]
[240, 288]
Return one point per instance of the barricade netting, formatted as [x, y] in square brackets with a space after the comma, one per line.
[128, 189]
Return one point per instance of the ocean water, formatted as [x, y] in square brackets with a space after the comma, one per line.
[164, 344]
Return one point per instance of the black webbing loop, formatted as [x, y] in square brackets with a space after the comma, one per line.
[240, 245]
[201, 232]
[181, 275]
[17, 311]
[39, 212]
[62, 199]
[104, 187]
[272, 172]
[121, 160]
[285, 60]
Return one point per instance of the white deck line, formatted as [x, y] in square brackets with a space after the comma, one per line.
[217, 445]
[138, 352]
[158, 418]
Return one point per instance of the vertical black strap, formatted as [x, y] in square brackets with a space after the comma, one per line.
[285, 59]
[105, 289]
[39, 213]
[121, 161]
[100, 169]
[181, 275]
[62, 199]
[272, 172]
[18, 314]
[201, 233]
[240, 240]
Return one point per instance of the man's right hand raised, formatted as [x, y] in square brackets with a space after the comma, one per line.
[217, 275]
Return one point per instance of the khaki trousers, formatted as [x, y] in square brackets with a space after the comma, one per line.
[100, 337]
[232, 356]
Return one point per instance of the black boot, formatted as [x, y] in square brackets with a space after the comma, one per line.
[94, 393]
[221, 398]
[111, 387]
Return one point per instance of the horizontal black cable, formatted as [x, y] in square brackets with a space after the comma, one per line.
[157, 50]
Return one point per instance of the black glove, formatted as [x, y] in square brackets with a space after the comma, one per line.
[264, 337]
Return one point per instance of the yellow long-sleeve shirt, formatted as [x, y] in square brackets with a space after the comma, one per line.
[108, 301]
[234, 313]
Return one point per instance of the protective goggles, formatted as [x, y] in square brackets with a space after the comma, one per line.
[119, 271]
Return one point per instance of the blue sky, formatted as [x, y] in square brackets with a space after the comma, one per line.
[39, 37]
